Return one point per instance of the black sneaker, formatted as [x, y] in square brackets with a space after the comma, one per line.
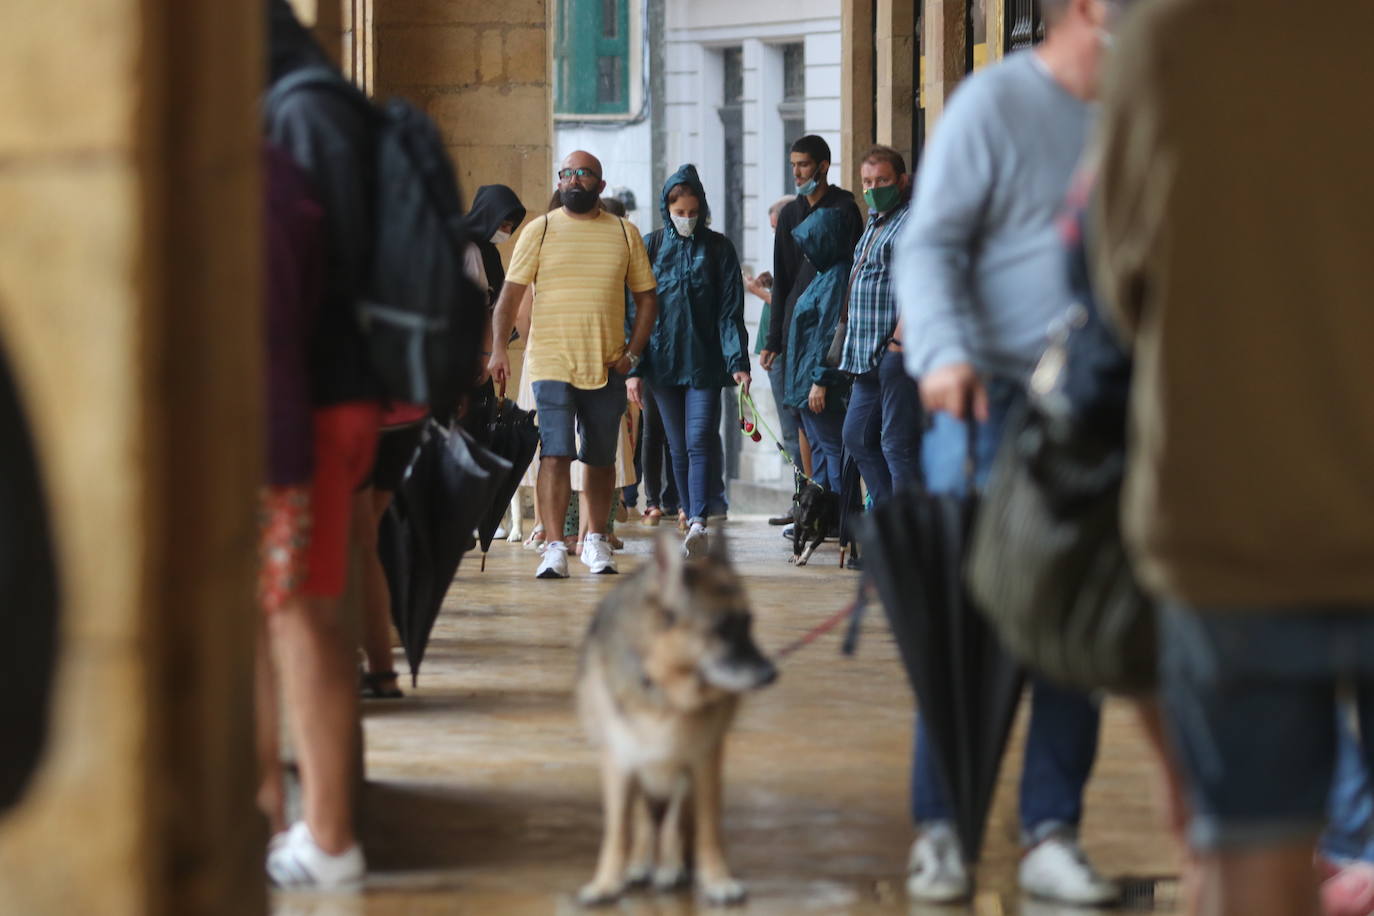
[781, 519]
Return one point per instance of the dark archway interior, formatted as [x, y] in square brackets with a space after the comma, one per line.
[28, 599]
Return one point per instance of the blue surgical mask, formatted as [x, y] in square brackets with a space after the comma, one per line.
[806, 190]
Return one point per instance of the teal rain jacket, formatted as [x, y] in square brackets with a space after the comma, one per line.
[699, 339]
[824, 238]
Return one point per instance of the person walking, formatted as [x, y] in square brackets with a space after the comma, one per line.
[792, 273]
[980, 277]
[581, 259]
[1234, 257]
[700, 344]
[330, 138]
[883, 426]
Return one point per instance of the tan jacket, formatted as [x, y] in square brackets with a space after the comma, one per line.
[1236, 221]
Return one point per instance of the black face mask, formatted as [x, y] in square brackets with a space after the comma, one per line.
[578, 199]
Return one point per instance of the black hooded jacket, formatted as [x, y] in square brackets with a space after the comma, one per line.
[792, 273]
[329, 134]
[493, 205]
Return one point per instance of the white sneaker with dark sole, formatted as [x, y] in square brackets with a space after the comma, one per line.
[694, 544]
[935, 872]
[553, 563]
[597, 554]
[1056, 869]
[294, 860]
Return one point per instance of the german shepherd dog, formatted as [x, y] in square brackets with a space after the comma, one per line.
[815, 512]
[668, 655]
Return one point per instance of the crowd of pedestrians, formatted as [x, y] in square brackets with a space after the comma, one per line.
[1227, 255]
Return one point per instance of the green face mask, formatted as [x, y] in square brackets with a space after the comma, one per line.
[883, 198]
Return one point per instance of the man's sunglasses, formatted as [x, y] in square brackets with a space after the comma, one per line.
[565, 174]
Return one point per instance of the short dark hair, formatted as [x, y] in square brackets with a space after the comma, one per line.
[812, 146]
[682, 189]
[885, 154]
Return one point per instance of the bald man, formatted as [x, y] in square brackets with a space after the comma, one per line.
[580, 259]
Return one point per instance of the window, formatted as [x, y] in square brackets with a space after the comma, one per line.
[792, 108]
[592, 74]
[608, 80]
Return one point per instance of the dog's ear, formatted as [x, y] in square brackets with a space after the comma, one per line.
[667, 559]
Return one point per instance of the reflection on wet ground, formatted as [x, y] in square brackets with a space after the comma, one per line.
[483, 792]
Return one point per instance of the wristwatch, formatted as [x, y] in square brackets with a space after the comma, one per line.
[633, 358]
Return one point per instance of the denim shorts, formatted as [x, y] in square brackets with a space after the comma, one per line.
[1250, 698]
[593, 413]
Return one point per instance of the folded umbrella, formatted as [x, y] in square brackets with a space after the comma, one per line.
[967, 687]
[851, 506]
[28, 581]
[448, 487]
[512, 435]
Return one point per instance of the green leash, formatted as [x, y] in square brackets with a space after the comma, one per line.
[751, 426]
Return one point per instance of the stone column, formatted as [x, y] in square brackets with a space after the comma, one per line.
[945, 37]
[482, 71]
[857, 91]
[896, 84]
[129, 305]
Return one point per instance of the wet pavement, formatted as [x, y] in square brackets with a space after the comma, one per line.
[483, 795]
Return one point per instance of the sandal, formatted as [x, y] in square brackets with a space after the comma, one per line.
[536, 538]
[652, 515]
[374, 686]
[681, 520]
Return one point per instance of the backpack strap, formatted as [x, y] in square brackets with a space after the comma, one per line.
[314, 77]
[540, 250]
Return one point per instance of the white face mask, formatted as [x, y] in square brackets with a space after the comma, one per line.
[685, 225]
[500, 236]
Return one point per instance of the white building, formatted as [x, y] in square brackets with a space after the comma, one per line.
[741, 80]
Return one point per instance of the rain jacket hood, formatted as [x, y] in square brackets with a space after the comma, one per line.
[493, 205]
[687, 175]
[699, 339]
[824, 239]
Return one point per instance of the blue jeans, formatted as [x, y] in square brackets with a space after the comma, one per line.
[883, 427]
[788, 418]
[660, 490]
[1061, 744]
[691, 421]
[825, 432]
[1350, 820]
[1250, 695]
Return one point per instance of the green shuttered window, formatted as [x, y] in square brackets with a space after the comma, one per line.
[592, 57]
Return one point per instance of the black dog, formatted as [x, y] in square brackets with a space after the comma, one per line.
[816, 511]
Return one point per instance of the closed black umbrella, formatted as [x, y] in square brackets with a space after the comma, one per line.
[967, 688]
[851, 506]
[447, 489]
[512, 435]
[28, 582]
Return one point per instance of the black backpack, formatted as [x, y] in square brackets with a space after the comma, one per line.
[421, 316]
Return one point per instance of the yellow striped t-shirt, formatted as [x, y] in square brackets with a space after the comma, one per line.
[579, 268]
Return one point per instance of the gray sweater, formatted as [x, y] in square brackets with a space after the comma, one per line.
[980, 266]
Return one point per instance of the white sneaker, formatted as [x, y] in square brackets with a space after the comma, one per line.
[554, 562]
[1056, 869]
[295, 860]
[694, 544]
[596, 553]
[935, 872]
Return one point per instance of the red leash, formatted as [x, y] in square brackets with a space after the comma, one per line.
[812, 635]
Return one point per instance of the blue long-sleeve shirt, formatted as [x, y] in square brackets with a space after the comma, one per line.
[980, 266]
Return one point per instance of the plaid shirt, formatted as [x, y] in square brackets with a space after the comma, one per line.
[872, 298]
